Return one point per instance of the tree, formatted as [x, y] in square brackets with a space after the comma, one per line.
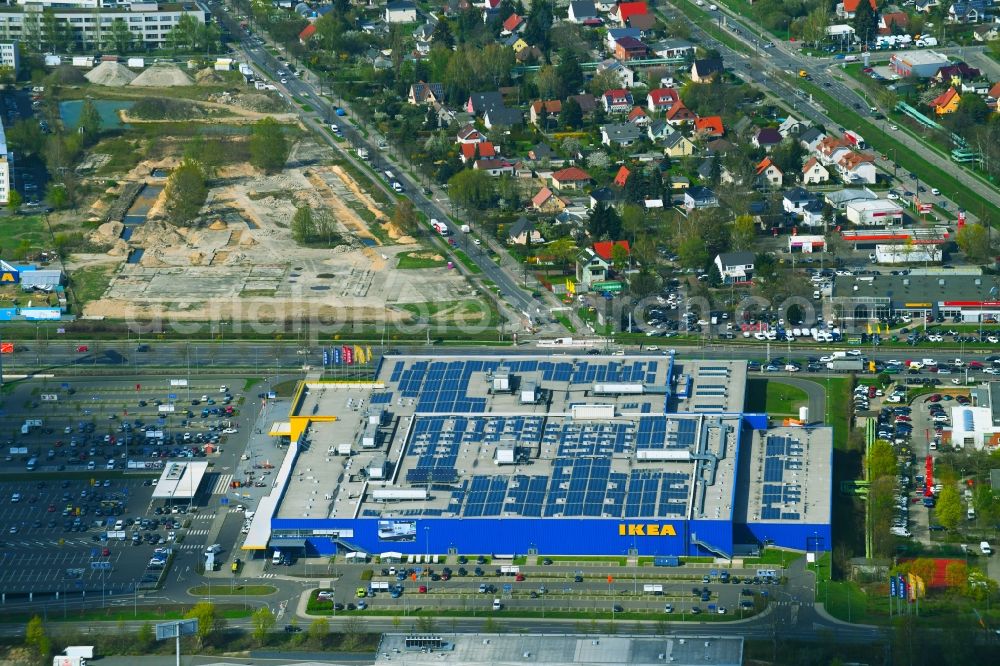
[974, 241]
[744, 233]
[537, 29]
[949, 507]
[263, 621]
[644, 283]
[318, 630]
[563, 251]
[619, 257]
[881, 460]
[602, 81]
[692, 253]
[865, 22]
[471, 189]
[144, 637]
[549, 84]
[714, 170]
[14, 201]
[57, 196]
[36, 638]
[185, 192]
[442, 34]
[352, 631]
[405, 217]
[570, 72]
[26, 137]
[208, 618]
[268, 146]
[122, 39]
[303, 226]
[985, 504]
[604, 223]
[815, 25]
[89, 124]
[956, 576]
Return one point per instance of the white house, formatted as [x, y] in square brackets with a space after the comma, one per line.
[401, 11]
[814, 173]
[735, 267]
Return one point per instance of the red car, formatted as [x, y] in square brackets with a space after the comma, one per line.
[106, 552]
[519, 577]
[934, 398]
[975, 365]
[83, 348]
[422, 589]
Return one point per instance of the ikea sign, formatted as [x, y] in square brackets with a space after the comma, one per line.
[646, 529]
[9, 274]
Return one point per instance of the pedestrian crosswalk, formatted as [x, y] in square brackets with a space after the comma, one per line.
[268, 575]
[222, 484]
[189, 546]
[192, 533]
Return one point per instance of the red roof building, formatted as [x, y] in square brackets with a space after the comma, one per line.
[661, 99]
[603, 248]
[307, 32]
[512, 23]
[571, 175]
[622, 176]
[851, 6]
[709, 126]
[627, 9]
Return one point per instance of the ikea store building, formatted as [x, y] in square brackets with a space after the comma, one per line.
[603, 455]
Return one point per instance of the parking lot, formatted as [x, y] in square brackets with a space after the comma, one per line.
[79, 518]
[563, 587]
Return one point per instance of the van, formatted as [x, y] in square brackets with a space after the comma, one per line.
[389, 175]
[91, 465]
[276, 558]
[32, 463]
[971, 513]
[497, 605]
[984, 547]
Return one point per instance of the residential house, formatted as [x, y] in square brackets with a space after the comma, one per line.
[469, 134]
[719, 147]
[987, 32]
[699, 197]
[494, 167]
[306, 33]
[993, 96]
[614, 34]
[661, 99]
[630, 48]
[893, 23]
[644, 22]
[551, 107]
[625, 74]
[622, 12]
[605, 249]
[925, 6]
[848, 8]
[528, 54]
[570, 178]
[515, 42]
[581, 11]
[812, 214]
[679, 183]
[955, 73]
[658, 130]
[795, 200]
[620, 134]
[591, 268]
[968, 11]
[546, 201]
[586, 101]
[480, 103]
[543, 152]
[603, 195]
[830, 149]
[469, 152]
[706, 70]
[621, 178]
[638, 117]
[426, 93]
[617, 101]
[425, 33]
[512, 24]
[679, 115]
[400, 11]
[503, 117]
[857, 168]
[523, 232]
[810, 138]
[709, 127]
[840, 198]
[791, 126]
[768, 174]
[735, 267]
[767, 138]
[814, 173]
[946, 102]
[677, 145]
[672, 48]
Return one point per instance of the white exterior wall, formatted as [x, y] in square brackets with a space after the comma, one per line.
[875, 213]
[10, 55]
[150, 24]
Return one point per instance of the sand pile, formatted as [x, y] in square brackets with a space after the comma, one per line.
[67, 75]
[207, 76]
[162, 76]
[110, 74]
[218, 225]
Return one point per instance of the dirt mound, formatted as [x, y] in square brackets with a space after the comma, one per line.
[67, 75]
[207, 76]
[218, 225]
[109, 232]
[162, 76]
[110, 74]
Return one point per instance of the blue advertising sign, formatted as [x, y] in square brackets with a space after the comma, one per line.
[172, 396]
[902, 587]
[892, 586]
[223, 501]
[336, 355]
[65, 386]
[326, 357]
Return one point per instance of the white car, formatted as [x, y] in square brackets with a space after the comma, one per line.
[854, 352]
[893, 127]
[284, 80]
[892, 196]
[825, 359]
[230, 431]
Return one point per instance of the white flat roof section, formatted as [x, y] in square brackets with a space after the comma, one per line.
[180, 480]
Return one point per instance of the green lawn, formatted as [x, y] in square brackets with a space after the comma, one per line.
[230, 589]
[90, 283]
[783, 399]
[18, 229]
[419, 259]
[564, 320]
[467, 262]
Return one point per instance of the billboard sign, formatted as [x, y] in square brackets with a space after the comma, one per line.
[167, 630]
[397, 530]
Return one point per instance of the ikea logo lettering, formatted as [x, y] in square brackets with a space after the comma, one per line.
[645, 529]
[8, 278]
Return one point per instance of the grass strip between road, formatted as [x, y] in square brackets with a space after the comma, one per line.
[227, 588]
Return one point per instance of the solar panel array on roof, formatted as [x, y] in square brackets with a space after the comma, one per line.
[586, 487]
[590, 439]
[779, 499]
[383, 398]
